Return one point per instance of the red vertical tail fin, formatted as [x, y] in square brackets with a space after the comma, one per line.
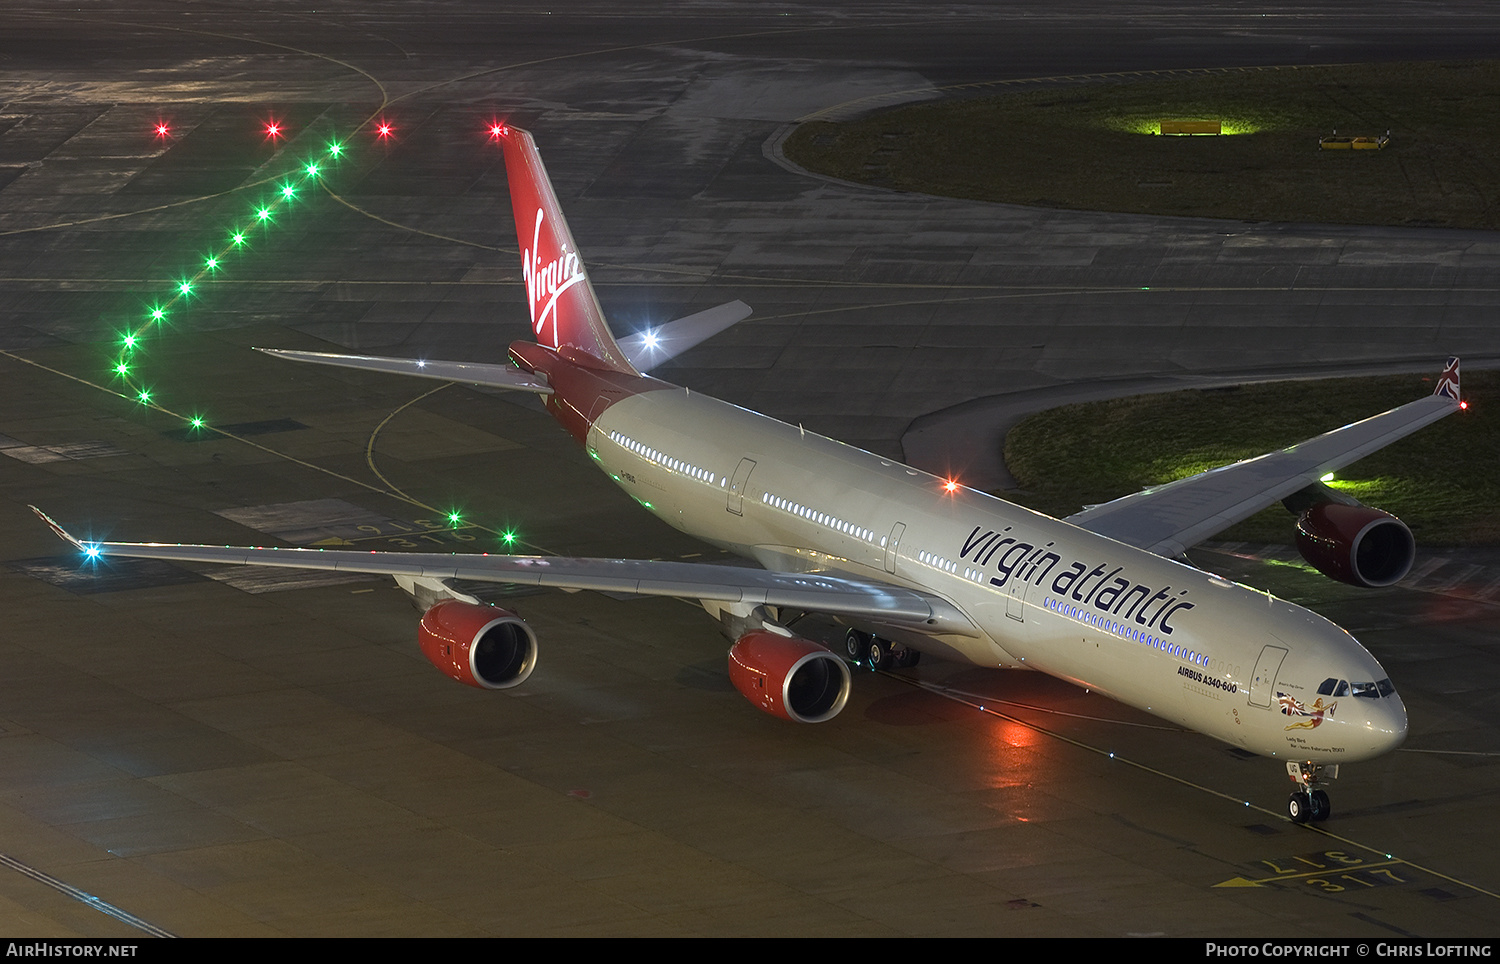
[565, 313]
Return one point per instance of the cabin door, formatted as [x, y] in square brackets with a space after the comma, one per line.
[892, 543]
[1015, 597]
[1263, 681]
[737, 486]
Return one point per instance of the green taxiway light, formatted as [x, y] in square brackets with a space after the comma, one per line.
[453, 518]
[508, 537]
[212, 263]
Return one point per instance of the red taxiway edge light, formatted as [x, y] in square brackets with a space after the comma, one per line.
[383, 129]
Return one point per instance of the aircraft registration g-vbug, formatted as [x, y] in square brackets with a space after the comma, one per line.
[912, 563]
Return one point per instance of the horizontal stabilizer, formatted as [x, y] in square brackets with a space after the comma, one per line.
[647, 349]
[470, 373]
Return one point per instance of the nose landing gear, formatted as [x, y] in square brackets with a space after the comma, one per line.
[1310, 801]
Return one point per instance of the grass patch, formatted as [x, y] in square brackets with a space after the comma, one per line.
[1089, 147]
[1441, 481]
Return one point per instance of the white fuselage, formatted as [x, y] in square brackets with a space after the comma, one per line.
[1185, 645]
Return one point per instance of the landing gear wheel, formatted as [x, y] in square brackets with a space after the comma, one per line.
[878, 654]
[1309, 802]
[903, 655]
[854, 644]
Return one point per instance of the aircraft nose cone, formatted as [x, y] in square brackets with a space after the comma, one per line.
[1398, 721]
[1386, 725]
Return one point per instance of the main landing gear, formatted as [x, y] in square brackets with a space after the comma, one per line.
[866, 649]
[1310, 801]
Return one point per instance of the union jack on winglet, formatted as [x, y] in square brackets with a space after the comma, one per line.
[1448, 381]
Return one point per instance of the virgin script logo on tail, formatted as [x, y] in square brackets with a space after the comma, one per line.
[545, 283]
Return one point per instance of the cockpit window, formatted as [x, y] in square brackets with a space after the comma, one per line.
[1370, 691]
[1373, 691]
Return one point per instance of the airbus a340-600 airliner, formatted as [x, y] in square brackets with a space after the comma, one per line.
[914, 564]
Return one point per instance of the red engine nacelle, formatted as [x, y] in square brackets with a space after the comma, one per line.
[483, 646]
[786, 676]
[1356, 544]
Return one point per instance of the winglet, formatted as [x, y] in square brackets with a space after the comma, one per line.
[58, 530]
[1448, 381]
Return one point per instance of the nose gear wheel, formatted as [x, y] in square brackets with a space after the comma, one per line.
[1309, 802]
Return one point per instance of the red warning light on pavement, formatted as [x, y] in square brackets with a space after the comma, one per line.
[384, 130]
[274, 129]
[162, 129]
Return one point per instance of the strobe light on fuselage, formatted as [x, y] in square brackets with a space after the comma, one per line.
[478, 645]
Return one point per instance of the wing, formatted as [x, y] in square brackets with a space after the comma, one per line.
[1169, 519]
[836, 595]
